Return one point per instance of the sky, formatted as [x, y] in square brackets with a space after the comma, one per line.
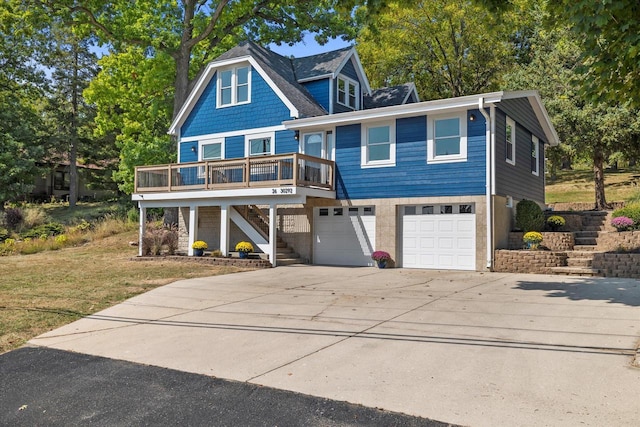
[309, 47]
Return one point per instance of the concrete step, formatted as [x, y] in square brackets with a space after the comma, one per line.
[579, 262]
[585, 248]
[576, 253]
[593, 227]
[586, 241]
[576, 271]
[288, 261]
[581, 234]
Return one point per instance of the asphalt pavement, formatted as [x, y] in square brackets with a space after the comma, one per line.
[46, 387]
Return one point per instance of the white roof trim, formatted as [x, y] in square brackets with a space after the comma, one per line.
[204, 80]
[364, 82]
[412, 89]
[310, 79]
[542, 115]
[449, 104]
[435, 106]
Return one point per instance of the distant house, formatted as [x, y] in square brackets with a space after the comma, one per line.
[55, 184]
[303, 151]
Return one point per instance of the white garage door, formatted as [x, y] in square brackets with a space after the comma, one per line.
[344, 236]
[439, 237]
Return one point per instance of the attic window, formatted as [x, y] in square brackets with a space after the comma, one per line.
[348, 92]
[234, 86]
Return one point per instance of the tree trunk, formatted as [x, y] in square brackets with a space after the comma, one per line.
[182, 79]
[598, 174]
[73, 152]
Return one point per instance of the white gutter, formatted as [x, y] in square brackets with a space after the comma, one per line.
[488, 181]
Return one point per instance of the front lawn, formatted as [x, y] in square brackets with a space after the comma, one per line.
[576, 186]
[46, 290]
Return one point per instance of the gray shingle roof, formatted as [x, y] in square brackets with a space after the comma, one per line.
[321, 64]
[387, 96]
[280, 70]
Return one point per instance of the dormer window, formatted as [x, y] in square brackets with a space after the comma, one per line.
[234, 86]
[348, 92]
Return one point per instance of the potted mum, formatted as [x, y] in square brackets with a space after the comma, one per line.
[244, 248]
[198, 247]
[555, 222]
[381, 258]
[622, 223]
[532, 239]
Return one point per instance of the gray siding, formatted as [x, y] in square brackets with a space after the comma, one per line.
[520, 110]
[518, 181]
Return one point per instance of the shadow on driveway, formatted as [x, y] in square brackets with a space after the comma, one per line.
[612, 290]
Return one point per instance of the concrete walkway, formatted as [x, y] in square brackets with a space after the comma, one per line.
[466, 348]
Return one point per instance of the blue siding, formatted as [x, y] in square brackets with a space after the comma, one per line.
[186, 152]
[265, 109]
[348, 70]
[319, 90]
[234, 147]
[412, 176]
[286, 142]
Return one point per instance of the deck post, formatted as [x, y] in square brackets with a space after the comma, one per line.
[141, 227]
[224, 229]
[193, 227]
[273, 244]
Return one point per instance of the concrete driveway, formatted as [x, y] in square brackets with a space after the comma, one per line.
[467, 348]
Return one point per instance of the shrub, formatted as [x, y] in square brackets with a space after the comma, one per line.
[244, 247]
[622, 223]
[133, 215]
[555, 222]
[631, 211]
[46, 230]
[4, 234]
[529, 216]
[34, 216]
[82, 226]
[170, 239]
[13, 218]
[216, 253]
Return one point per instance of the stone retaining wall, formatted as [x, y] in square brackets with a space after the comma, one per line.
[539, 262]
[617, 264]
[619, 241]
[234, 262]
[580, 206]
[553, 240]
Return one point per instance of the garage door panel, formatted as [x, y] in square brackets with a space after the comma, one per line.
[439, 241]
[347, 239]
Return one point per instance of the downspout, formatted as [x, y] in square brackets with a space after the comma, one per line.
[488, 181]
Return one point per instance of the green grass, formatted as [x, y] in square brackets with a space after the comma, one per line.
[46, 290]
[578, 186]
[89, 211]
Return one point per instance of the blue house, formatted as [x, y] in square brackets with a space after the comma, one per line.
[302, 156]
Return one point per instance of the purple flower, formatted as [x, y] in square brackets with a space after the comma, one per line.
[380, 256]
[622, 223]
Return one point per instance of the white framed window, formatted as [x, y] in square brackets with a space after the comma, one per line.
[234, 86]
[261, 144]
[212, 149]
[510, 141]
[378, 147]
[312, 144]
[348, 91]
[447, 138]
[535, 155]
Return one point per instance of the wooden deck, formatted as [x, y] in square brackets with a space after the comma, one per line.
[251, 172]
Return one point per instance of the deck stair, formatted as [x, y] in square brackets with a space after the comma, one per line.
[256, 216]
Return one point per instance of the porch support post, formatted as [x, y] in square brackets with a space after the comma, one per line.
[141, 227]
[224, 229]
[193, 227]
[273, 209]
